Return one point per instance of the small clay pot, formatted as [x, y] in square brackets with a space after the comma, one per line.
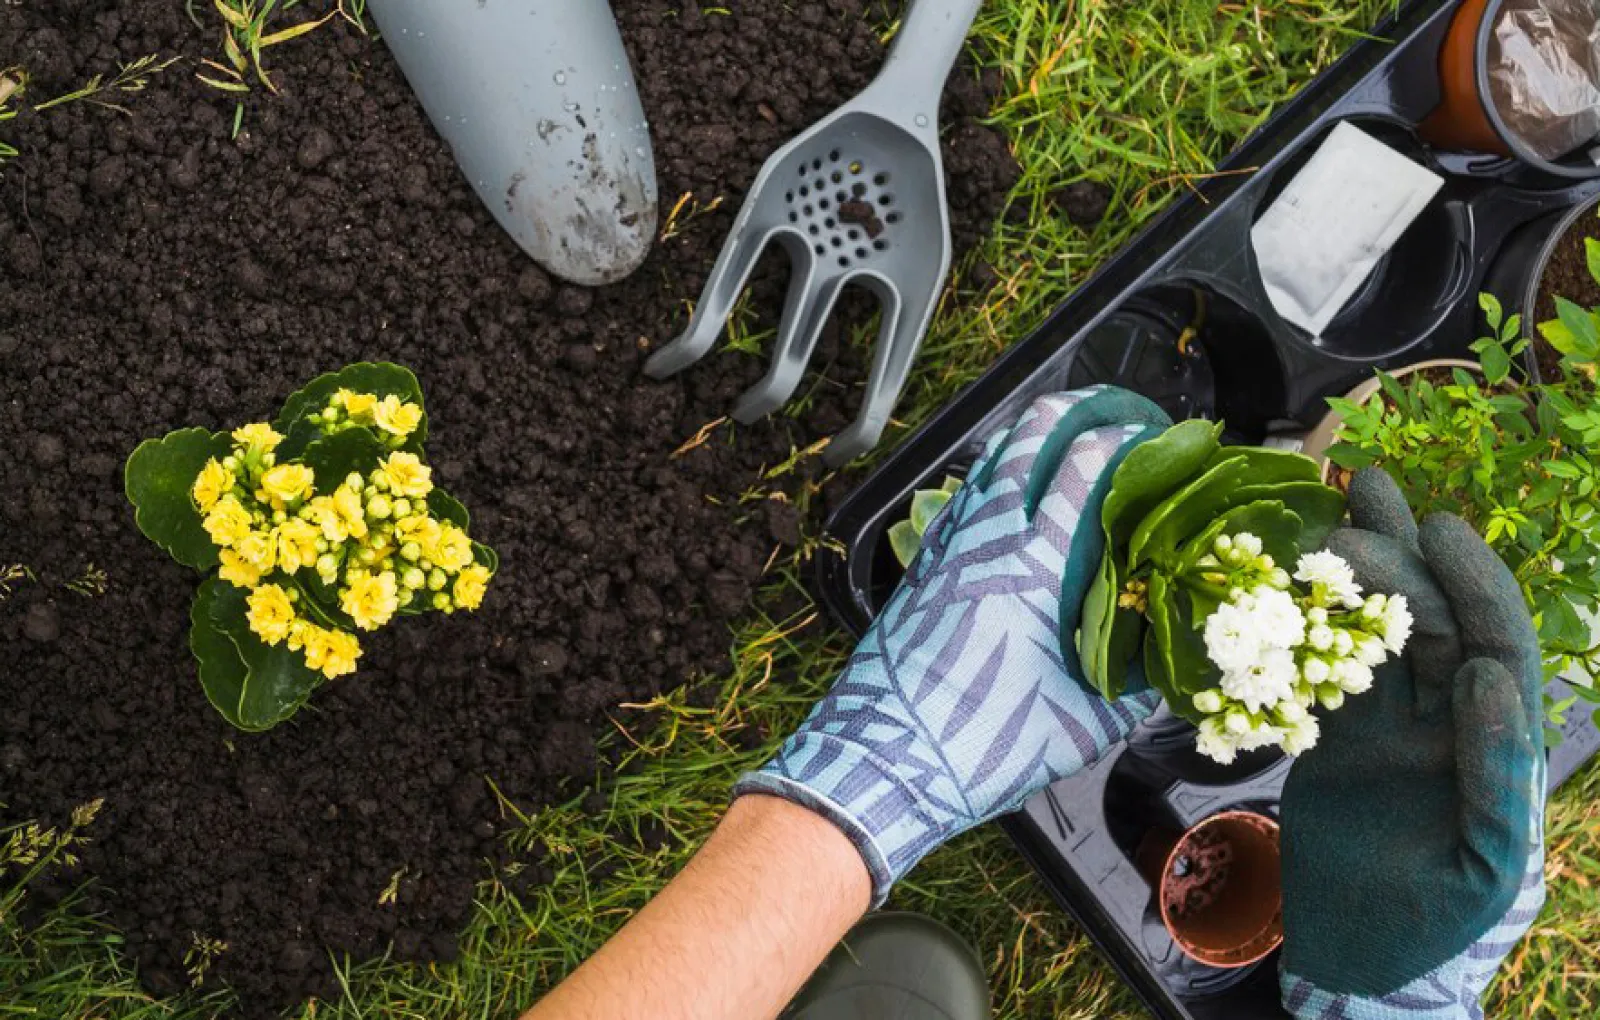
[1221, 887]
[1317, 441]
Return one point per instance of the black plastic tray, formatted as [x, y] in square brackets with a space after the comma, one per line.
[1194, 270]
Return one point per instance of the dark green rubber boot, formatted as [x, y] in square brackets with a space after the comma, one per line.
[896, 966]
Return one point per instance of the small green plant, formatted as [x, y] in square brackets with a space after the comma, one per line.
[91, 583]
[13, 83]
[1520, 462]
[197, 959]
[13, 574]
[321, 524]
[247, 32]
[905, 537]
[29, 851]
[130, 77]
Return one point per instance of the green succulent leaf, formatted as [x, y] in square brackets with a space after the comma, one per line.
[1270, 467]
[1319, 507]
[378, 378]
[1278, 527]
[446, 507]
[1109, 636]
[925, 506]
[905, 542]
[952, 484]
[333, 458]
[1151, 472]
[486, 556]
[159, 478]
[1185, 512]
[1175, 655]
[1098, 606]
[254, 686]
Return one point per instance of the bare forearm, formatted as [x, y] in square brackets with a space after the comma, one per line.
[736, 934]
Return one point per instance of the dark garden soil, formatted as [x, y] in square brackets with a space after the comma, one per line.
[1565, 275]
[156, 273]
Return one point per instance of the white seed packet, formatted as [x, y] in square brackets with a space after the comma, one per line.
[1342, 212]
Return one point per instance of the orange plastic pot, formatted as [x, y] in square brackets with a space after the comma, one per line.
[1466, 118]
[1462, 120]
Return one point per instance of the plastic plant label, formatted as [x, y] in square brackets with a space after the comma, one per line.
[1343, 211]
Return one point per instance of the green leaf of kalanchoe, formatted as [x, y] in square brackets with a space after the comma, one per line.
[333, 458]
[380, 379]
[1109, 635]
[1176, 648]
[159, 479]
[253, 685]
[1152, 472]
[904, 541]
[1185, 512]
[925, 506]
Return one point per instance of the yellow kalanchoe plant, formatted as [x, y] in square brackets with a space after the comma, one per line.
[320, 525]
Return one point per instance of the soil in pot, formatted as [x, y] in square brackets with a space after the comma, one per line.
[160, 272]
[1221, 890]
[1566, 275]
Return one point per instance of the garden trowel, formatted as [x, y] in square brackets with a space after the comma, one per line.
[538, 103]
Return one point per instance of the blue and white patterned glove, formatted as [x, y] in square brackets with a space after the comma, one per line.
[966, 696]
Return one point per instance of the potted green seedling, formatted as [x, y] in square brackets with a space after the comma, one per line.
[311, 530]
[1519, 460]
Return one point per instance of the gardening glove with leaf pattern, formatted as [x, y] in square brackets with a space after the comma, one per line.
[1413, 836]
[966, 695]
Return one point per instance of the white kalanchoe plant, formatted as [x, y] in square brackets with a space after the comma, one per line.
[1282, 648]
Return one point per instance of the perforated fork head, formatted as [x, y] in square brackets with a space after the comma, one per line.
[856, 200]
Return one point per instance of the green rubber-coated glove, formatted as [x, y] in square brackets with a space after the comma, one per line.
[1413, 834]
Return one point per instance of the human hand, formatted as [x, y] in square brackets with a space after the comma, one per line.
[1413, 836]
[966, 695]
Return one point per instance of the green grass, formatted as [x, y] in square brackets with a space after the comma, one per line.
[1143, 95]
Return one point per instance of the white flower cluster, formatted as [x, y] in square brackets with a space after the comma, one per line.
[1282, 650]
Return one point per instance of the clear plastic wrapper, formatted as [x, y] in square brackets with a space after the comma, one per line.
[1544, 73]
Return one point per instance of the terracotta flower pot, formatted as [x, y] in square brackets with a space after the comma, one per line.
[1466, 119]
[1318, 440]
[1462, 119]
[1220, 887]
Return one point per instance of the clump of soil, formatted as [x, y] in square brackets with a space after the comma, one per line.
[1565, 275]
[1085, 203]
[160, 273]
[863, 215]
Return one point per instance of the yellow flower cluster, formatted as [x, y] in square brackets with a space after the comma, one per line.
[390, 418]
[369, 546]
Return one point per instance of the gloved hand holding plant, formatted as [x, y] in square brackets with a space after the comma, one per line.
[1199, 542]
[321, 524]
[1413, 855]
